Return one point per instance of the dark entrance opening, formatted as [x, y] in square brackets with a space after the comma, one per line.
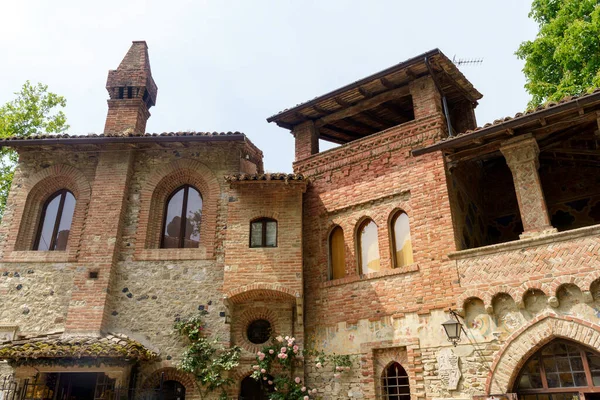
[172, 390]
[251, 389]
[76, 386]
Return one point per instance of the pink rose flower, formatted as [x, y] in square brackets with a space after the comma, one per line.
[305, 397]
[264, 378]
[296, 347]
[319, 365]
[287, 338]
[303, 388]
[263, 371]
[270, 382]
[297, 380]
[283, 349]
[283, 355]
[271, 351]
[314, 391]
[279, 339]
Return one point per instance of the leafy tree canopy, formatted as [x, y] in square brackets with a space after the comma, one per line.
[35, 110]
[564, 58]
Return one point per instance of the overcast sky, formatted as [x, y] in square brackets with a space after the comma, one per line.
[228, 65]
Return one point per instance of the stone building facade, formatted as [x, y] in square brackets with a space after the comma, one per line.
[365, 250]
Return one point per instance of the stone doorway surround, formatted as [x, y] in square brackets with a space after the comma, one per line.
[524, 342]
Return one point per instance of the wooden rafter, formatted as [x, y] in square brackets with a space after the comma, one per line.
[366, 94]
[363, 105]
[379, 119]
[351, 134]
[385, 82]
[341, 102]
[360, 124]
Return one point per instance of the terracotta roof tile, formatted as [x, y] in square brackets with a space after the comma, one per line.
[101, 135]
[54, 344]
[530, 111]
[275, 176]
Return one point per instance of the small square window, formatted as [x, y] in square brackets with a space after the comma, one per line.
[263, 233]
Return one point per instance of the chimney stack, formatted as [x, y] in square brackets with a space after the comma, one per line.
[132, 92]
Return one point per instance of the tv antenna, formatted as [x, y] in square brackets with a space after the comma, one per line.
[466, 61]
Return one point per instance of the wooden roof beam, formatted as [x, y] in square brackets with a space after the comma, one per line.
[361, 125]
[379, 120]
[363, 105]
[366, 94]
[351, 134]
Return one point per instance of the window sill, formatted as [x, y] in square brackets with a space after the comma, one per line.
[525, 243]
[171, 254]
[37, 256]
[373, 275]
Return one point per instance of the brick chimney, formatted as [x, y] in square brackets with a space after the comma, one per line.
[132, 92]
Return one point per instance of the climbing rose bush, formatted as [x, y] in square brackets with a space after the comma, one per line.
[274, 368]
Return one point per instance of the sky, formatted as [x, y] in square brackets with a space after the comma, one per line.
[228, 65]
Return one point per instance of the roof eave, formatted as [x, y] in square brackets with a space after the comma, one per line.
[377, 75]
[511, 124]
[119, 139]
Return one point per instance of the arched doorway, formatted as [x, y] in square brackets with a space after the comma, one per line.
[394, 383]
[561, 370]
[251, 389]
[172, 390]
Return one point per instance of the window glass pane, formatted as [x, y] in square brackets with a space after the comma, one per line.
[594, 361]
[596, 378]
[553, 380]
[337, 252]
[65, 222]
[256, 234]
[549, 364]
[369, 248]
[580, 379]
[402, 242]
[576, 363]
[563, 364]
[48, 224]
[173, 220]
[271, 234]
[566, 379]
[536, 381]
[193, 218]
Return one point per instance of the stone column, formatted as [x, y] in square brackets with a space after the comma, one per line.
[521, 154]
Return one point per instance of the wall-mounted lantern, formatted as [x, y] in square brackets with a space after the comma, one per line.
[452, 327]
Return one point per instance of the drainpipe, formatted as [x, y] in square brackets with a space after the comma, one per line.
[444, 103]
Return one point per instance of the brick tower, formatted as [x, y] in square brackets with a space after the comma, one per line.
[132, 92]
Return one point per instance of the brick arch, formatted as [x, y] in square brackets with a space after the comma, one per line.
[39, 188]
[240, 325]
[160, 185]
[586, 282]
[482, 295]
[172, 374]
[260, 291]
[524, 342]
[560, 281]
[265, 214]
[522, 290]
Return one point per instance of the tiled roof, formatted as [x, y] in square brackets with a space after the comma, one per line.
[131, 135]
[275, 176]
[518, 115]
[54, 345]
[520, 118]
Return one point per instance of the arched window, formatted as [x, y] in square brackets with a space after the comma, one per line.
[55, 222]
[263, 233]
[401, 243]
[561, 369]
[394, 383]
[183, 218]
[368, 247]
[337, 254]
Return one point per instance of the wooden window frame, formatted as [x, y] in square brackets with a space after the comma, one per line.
[542, 370]
[186, 189]
[330, 252]
[392, 230]
[263, 244]
[358, 236]
[38, 236]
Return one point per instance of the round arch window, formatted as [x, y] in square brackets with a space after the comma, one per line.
[259, 331]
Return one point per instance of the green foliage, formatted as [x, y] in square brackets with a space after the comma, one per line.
[34, 111]
[206, 358]
[564, 59]
[275, 365]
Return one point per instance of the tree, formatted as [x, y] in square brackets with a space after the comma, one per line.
[34, 111]
[564, 58]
